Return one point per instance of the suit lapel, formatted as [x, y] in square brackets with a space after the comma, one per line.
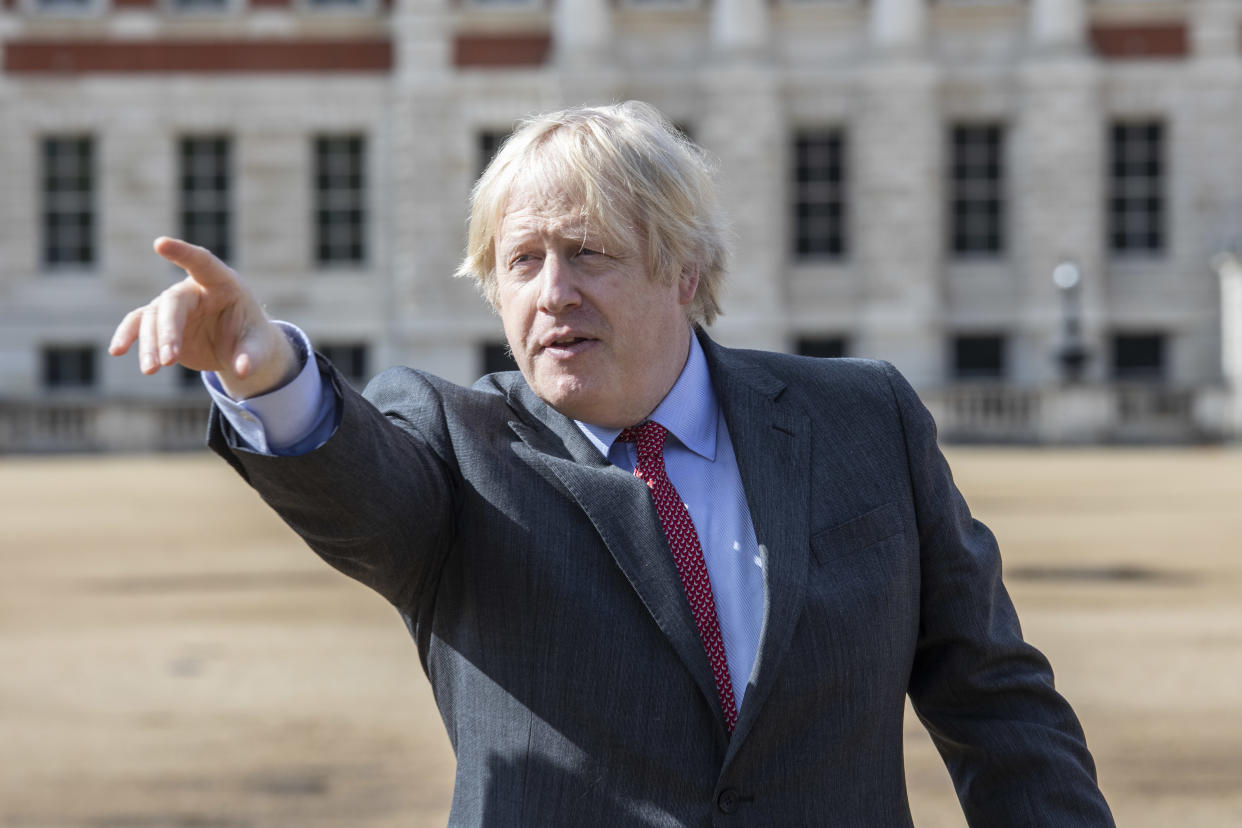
[772, 443]
[620, 507]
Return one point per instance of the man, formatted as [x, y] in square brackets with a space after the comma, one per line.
[652, 581]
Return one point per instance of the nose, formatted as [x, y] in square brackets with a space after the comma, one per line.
[558, 289]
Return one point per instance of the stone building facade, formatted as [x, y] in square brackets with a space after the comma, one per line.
[903, 177]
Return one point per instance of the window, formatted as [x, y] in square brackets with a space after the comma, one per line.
[350, 358]
[978, 357]
[206, 194]
[1138, 357]
[823, 347]
[65, 6]
[68, 202]
[68, 366]
[819, 194]
[497, 357]
[339, 5]
[340, 200]
[1136, 188]
[976, 175]
[189, 379]
[489, 144]
[200, 5]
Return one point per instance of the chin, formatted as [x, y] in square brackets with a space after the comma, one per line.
[572, 398]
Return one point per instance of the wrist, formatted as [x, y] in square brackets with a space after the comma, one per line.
[280, 365]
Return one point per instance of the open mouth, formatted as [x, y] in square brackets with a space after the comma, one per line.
[568, 345]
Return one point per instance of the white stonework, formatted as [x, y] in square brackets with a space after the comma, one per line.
[742, 76]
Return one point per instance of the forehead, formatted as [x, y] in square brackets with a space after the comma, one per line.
[539, 205]
[543, 210]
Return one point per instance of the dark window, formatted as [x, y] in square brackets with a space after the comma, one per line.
[978, 357]
[1138, 356]
[497, 357]
[819, 204]
[976, 174]
[350, 358]
[189, 379]
[490, 142]
[206, 193]
[1136, 188]
[340, 200]
[200, 5]
[68, 366]
[823, 347]
[68, 202]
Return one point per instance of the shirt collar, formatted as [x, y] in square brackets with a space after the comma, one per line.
[689, 411]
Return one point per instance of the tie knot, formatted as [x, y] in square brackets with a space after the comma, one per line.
[648, 437]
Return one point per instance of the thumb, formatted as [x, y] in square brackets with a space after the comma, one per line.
[199, 262]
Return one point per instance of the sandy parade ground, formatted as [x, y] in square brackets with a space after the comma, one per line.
[171, 656]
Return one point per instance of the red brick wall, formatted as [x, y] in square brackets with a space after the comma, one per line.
[1153, 40]
[206, 56]
[496, 51]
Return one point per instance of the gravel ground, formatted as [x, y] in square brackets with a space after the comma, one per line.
[173, 657]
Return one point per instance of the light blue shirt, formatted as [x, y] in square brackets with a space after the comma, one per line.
[699, 459]
[698, 455]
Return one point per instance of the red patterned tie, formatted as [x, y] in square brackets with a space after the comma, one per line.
[687, 554]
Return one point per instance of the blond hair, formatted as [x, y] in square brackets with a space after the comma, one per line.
[635, 177]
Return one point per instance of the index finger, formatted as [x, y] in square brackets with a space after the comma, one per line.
[199, 262]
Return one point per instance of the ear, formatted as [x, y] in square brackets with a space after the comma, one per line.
[688, 284]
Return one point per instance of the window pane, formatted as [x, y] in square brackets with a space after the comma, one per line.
[206, 193]
[1136, 188]
[1138, 356]
[976, 206]
[489, 144]
[497, 357]
[819, 205]
[823, 347]
[979, 357]
[350, 358]
[68, 178]
[340, 200]
[68, 366]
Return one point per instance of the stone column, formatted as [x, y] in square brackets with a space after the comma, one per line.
[1058, 26]
[740, 27]
[427, 213]
[741, 120]
[1229, 268]
[1058, 172]
[894, 153]
[582, 31]
[897, 26]
[1214, 29]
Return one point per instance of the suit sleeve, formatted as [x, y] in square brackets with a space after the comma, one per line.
[1012, 745]
[376, 499]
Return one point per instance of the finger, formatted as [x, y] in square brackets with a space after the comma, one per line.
[148, 361]
[199, 262]
[174, 306]
[125, 333]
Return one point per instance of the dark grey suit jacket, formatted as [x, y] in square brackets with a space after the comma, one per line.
[550, 619]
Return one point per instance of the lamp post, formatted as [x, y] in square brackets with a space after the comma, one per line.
[1072, 354]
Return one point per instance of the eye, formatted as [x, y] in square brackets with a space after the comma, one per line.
[586, 251]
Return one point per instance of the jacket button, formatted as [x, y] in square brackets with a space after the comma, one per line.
[727, 801]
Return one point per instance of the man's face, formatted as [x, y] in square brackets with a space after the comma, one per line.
[595, 337]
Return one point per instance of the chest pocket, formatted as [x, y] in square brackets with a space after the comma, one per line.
[858, 533]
